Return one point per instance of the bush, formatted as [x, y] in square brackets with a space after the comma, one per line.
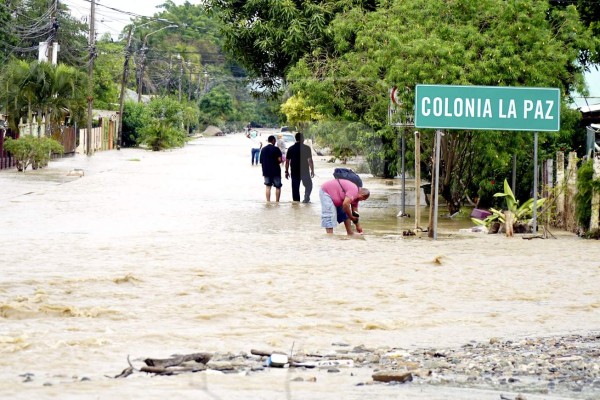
[165, 127]
[158, 136]
[29, 150]
[586, 184]
[135, 117]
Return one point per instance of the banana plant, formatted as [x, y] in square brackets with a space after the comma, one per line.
[522, 213]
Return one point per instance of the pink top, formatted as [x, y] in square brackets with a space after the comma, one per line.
[333, 189]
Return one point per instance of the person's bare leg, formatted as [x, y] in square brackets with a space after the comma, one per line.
[268, 192]
[329, 231]
[277, 194]
[348, 226]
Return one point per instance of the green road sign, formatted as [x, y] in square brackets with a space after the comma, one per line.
[487, 107]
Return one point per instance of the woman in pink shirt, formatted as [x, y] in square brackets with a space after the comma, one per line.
[339, 203]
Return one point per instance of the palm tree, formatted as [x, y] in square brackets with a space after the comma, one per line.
[50, 91]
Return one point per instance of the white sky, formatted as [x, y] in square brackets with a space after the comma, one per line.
[593, 81]
[112, 20]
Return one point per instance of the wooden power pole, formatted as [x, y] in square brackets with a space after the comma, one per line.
[90, 97]
[123, 86]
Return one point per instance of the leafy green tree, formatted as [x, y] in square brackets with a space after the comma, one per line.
[7, 37]
[164, 129]
[53, 92]
[298, 113]
[29, 150]
[108, 71]
[589, 11]
[216, 106]
[270, 37]
[135, 117]
[586, 185]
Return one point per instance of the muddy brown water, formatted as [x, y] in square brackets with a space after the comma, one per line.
[152, 254]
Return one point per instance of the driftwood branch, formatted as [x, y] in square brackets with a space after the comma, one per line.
[202, 358]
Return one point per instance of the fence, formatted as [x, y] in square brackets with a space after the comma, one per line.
[102, 138]
[66, 136]
[6, 161]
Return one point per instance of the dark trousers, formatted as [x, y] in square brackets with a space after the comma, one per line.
[306, 182]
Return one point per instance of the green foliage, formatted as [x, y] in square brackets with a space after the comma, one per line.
[135, 117]
[280, 34]
[341, 139]
[43, 150]
[298, 113]
[54, 91]
[522, 214]
[33, 25]
[486, 191]
[159, 136]
[216, 106]
[164, 129]
[108, 72]
[29, 150]
[586, 185]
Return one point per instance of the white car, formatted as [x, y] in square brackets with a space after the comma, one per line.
[288, 139]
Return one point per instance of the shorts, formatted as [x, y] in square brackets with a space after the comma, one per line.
[341, 214]
[328, 211]
[273, 181]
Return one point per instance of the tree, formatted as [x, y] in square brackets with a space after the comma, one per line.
[42, 20]
[108, 70]
[216, 106]
[298, 113]
[7, 36]
[402, 44]
[135, 117]
[164, 129]
[270, 37]
[53, 92]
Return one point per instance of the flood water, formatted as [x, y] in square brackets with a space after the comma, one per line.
[151, 254]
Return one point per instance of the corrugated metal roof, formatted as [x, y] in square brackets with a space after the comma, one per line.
[590, 108]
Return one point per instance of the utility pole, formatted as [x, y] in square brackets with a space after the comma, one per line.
[52, 46]
[141, 70]
[190, 82]
[180, 74]
[205, 81]
[123, 84]
[143, 59]
[198, 87]
[90, 98]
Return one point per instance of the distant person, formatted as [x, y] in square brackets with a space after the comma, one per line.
[339, 203]
[270, 158]
[282, 146]
[256, 145]
[299, 158]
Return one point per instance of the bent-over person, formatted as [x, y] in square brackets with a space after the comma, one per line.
[339, 203]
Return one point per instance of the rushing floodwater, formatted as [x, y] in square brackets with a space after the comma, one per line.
[151, 254]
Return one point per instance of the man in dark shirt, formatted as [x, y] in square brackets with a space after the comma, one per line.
[270, 159]
[299, 157]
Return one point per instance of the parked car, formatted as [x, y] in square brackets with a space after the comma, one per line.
[288, 139]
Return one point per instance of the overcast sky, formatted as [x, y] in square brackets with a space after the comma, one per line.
[113, 15]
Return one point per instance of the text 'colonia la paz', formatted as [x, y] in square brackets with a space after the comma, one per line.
[484, 108]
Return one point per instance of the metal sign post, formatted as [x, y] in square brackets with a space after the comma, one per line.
[486, 108]
[535, 182]
[438, 142]
[397, 117]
